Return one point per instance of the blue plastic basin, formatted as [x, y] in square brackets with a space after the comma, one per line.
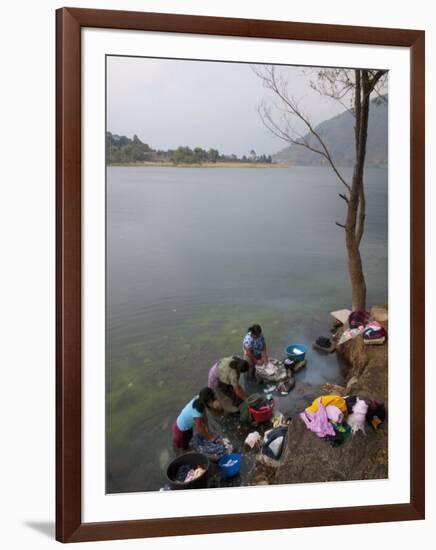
[230, 471]
[295, 356]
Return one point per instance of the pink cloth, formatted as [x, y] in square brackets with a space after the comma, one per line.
[334, 414]
[318, 422]
[213, 380]
[375, 325]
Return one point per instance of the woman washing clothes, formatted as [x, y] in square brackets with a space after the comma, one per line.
[194, 416]
[254, 347]
[224, 380]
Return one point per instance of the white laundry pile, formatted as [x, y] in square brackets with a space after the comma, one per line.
[253, 439]
[350, 334]
[273, 371]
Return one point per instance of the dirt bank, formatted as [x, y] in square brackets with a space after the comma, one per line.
[307, 458]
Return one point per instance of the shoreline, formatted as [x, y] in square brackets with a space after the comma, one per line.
[365, 456]
[198, 165]
[221, 165]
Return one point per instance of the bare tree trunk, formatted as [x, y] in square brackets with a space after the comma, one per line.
[355, 269]
[354, 225]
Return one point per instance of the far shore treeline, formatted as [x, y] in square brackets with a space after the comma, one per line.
[123, 150]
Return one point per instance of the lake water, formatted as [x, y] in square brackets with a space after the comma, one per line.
[195, 256]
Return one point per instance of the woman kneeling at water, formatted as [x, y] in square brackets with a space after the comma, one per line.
[194, 415]
[224, 377]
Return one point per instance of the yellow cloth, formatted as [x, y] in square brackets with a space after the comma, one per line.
[335, 400]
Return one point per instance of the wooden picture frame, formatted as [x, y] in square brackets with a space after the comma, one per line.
[69, 525]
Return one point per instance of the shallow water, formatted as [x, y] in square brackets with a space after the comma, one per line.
[194, 256]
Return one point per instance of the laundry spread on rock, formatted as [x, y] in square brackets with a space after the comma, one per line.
[334, 417]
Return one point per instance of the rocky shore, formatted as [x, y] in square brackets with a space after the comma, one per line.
[308, 459]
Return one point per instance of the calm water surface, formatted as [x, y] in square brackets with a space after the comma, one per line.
[194, 256]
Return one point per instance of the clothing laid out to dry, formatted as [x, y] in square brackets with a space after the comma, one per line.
[326, 400]
[374, 334]
[334, 418]
[360, 323]
[317, 421]
[356, 420]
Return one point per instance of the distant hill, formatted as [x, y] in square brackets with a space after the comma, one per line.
[338, 134]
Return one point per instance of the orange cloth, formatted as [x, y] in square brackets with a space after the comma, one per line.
[335, 400]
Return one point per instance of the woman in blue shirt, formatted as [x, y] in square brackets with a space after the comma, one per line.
[193, 416]
[254, 347]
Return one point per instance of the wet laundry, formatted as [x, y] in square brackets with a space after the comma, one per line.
[273, 371]
[187, 473]
[182, 472]
[212, 449]
[278, 372]
[286, 386]
[194, 474]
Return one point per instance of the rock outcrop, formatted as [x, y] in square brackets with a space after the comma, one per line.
[309, 459]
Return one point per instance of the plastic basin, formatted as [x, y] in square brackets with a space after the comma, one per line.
[233, 470]
[263, 414]
[297, 357]
[194, 460]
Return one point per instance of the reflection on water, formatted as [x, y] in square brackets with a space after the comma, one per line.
[194, 256]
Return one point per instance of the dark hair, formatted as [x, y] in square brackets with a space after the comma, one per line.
[205, 397]
[240, 365]
[243, 366]
[255, 330]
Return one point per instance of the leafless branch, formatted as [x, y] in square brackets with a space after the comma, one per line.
[344, 198]
[336, 84]
[278, 85]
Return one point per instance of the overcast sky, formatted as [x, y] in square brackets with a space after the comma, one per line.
[168, 103]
